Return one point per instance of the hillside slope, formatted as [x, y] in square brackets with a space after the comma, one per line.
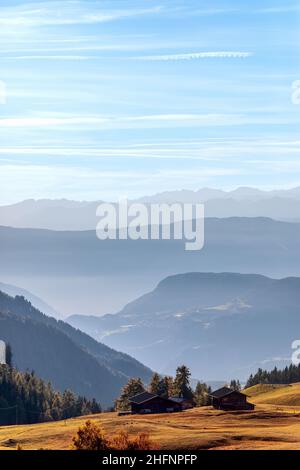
[197, 429]
[42, 306]
[217, 323]
[285, 395]
[77, 273]
[63, 355]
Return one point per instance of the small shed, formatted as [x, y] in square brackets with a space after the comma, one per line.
[146, 403]
[227, 399]
[184, 402]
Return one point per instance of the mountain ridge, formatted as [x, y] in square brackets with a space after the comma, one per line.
[209, 321]
[63, 355]
[64, 214]
[39, 303]
[77, 273]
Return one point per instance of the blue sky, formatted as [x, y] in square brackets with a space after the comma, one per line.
[116, 98]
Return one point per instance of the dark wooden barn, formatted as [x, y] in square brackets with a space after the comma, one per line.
[227, 399]
[146, 402]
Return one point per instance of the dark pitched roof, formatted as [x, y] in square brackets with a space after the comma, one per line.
[222, 392]
[142, 397]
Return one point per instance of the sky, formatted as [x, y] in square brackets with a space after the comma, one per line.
[123, 98]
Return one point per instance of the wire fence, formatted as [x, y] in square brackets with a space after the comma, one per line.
[19, 410]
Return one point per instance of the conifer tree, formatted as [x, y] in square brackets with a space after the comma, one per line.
[290, 374]
[8, 354]
[202, 394]
[26, 399]
[235, 385]
[168, 387]
[182, 388]
[162, 386]
[155, 384]
[133, 387]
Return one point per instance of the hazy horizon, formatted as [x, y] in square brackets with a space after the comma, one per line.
[126, 98]
[225, 190]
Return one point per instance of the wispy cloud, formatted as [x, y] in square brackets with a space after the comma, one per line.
[209, 11]
[50, 57]
[150, 58]
[66, 13]
[284, 8]
[196, 55]
[106, 152]
[3, 92]
[119, 122]
[102, 122]
[46, 181]
[263, 154]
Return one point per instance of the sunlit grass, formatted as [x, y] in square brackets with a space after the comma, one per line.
[269, 426]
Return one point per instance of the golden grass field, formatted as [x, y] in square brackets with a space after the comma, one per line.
[275, 424]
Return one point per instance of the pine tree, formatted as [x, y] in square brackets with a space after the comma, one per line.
[155, 384]
[167, 387]
[202, 394]
[162, 386]
[95, 407]
[182, 388]
[26, 399]
[8, 354]
[133, 387]
[287, 375]
[235, 385]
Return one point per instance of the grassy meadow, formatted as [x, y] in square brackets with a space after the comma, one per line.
[275, 424]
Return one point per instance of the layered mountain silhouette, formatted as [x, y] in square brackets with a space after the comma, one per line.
[34, 299]
[66, 357]
[63, 214]
[77, 273]
[222, 325]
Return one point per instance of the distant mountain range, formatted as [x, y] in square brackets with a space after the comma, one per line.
[208, 194]
[59, 353]
[74, 215]
[78, 274]
[221, 325]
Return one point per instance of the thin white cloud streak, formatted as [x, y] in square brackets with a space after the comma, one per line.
[280, 9]
[214, 150]
[170, 154]
[65, 13]
[36, 181]
[77, 39]
[148, 58]
[132, 122]
[3, 92]
[31, 173]
[50, 122]
[218, 141]
[244, 9]
[210, 12]
[117, 121]
[195, 56]
[283, 166]
[144, 122]
[60, 46]
[62, 13]
[51, 57]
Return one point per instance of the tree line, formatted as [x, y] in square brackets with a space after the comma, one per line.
[290, 374]
[166, 386]
[27, 399]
